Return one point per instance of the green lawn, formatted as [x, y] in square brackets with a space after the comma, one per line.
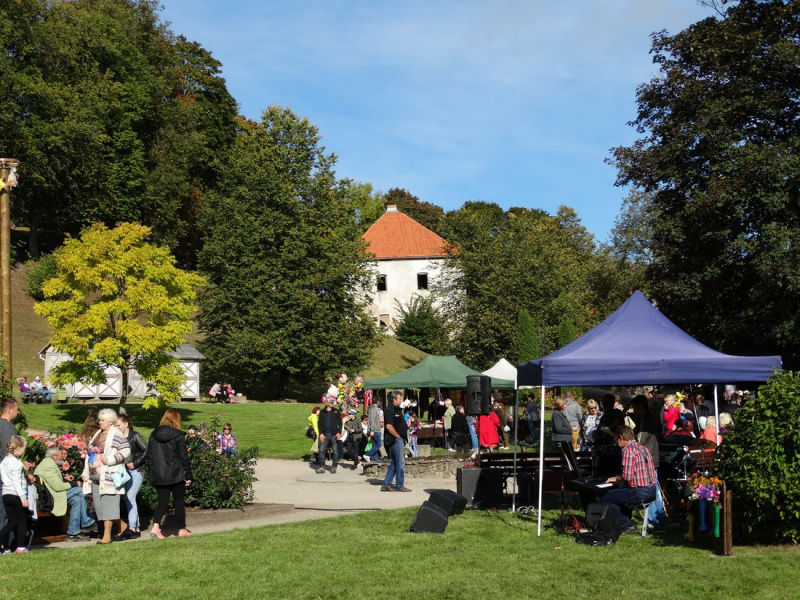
[480, 555]
[275, 428]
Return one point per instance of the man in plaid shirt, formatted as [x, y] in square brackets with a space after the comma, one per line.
[638, 476]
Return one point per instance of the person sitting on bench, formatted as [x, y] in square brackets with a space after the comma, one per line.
[40, 390]
[638, 476]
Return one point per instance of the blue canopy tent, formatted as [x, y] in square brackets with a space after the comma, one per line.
[637, 345]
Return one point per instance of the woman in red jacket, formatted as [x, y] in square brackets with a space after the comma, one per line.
[487, 430]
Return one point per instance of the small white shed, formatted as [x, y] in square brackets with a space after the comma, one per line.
[188, 356]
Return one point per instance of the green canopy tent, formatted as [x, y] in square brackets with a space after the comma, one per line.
[433, 372]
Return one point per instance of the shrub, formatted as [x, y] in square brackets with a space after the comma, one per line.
[759, 460]
[38, 273]
[219, 482]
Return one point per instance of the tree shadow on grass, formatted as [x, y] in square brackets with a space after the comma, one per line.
[74, 415]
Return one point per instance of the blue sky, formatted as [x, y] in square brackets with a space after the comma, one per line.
[516, 103]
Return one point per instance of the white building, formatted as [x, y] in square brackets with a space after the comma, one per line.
[188, 357]
[409, 258]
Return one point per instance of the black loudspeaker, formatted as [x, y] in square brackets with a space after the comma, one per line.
[486, 395]
[482, 488]
[430, 519]
[479, 395]
[449, 501]
[601, 518]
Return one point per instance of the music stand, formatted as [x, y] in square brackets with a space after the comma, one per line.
[568, 464]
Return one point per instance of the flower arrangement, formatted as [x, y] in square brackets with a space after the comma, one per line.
[705, 488]
[75, 446]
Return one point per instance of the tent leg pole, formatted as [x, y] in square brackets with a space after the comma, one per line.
[541, 461]
[516, 438]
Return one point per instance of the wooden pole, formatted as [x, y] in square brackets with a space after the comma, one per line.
[6, 166]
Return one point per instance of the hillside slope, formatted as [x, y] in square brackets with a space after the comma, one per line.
[30, 333]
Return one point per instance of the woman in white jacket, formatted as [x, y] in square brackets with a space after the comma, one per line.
[108, 451]
[15, 495]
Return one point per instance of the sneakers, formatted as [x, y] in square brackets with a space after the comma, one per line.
[366, 458]
[21, 551]
[630, 529]
[156, 533]
[184, 533]
[333, 470]
[355, 466]
[77, 538]
[321, 470]
[90, 529]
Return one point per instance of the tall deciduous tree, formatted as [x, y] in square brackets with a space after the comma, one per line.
[421, 325]
[720, 128]
[112, 118]
[508, 261]
[285, 262]
[118, 300]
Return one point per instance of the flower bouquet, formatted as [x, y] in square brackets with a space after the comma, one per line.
[707, 489]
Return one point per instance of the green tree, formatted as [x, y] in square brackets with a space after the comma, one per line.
[506, 262]
[421, 325]
[718, 158]
[285, 263]
[426, 214]
[118, 300]
[112, 118]
[760, 461]
[367, 205]
[566, 333]
[527, 340]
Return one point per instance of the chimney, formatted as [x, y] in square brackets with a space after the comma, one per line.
[391, 208]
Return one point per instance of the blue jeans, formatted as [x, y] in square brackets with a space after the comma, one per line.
[131, 490]
[374, 453]
[78, 515]
[412, 446]
[229, 452]
[533, 427]
[473, 436]
[330, 440]
[397, 465]
[618, 498]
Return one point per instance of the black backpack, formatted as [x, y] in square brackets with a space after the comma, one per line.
[45, 501]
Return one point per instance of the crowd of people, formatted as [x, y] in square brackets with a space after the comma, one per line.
[114, 461]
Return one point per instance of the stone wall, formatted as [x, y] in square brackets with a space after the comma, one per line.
[434, 467]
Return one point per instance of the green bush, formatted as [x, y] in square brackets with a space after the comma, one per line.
[38, 273]
[219, 482]
[759, 460]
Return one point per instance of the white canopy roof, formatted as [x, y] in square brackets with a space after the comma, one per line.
[503, 370]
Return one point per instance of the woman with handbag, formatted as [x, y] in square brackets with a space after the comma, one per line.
[170, 470]
[134, 467]
[104, 472]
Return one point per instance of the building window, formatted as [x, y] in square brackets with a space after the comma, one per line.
[422, 281]
[381, 283]
[384, 321]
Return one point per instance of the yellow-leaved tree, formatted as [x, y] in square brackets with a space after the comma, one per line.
[118, 300]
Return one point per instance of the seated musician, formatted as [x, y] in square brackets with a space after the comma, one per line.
[638, 477]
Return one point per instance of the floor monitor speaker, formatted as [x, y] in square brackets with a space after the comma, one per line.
[601, 518]
[449, 501]
[430, 519]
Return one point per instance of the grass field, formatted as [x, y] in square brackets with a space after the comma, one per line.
[481, 555]
[275, 428]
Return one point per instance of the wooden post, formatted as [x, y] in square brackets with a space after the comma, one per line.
[723, 546]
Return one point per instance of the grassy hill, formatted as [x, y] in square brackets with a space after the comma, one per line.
[30, 333]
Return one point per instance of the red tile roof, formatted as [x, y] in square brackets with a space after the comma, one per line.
[395, 235]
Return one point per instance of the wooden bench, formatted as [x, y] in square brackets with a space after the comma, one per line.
[51, 528]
